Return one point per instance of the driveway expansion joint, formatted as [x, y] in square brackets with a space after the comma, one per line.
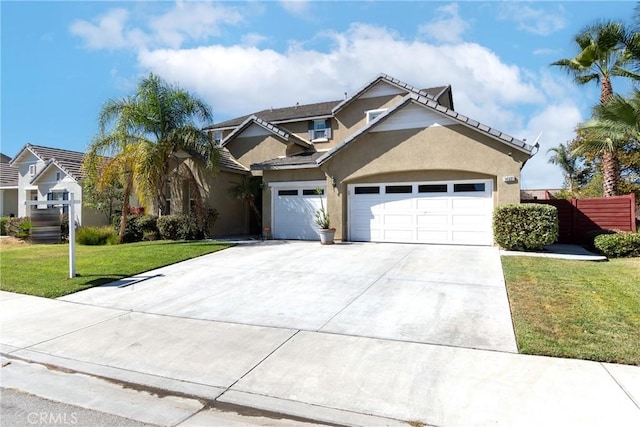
[622, 387]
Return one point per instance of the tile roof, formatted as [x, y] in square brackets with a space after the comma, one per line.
[276, 115]
[68, 161]
[297, 161]
[227, 161]
[429, 103]
[8, 174]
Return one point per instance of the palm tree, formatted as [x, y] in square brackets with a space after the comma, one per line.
[247, 190]
[170, 120]
[601, 56]
[568, 162]
[613, 124]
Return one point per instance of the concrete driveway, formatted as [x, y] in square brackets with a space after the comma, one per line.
[449, 295]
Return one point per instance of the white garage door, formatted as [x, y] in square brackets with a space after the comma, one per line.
[294, 207]
[451, 212]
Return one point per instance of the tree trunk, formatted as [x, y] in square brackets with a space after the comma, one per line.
[256, 212]
[610, 173]
[606, 91]
[125, 207]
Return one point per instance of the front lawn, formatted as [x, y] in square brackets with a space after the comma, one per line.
[43, 270]
[576, 309]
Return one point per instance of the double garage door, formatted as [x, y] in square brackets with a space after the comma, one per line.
[451, 212]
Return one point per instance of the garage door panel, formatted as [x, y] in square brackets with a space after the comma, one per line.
[433, 213]
[294, 213]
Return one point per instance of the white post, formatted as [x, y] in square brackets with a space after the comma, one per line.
[72, 238]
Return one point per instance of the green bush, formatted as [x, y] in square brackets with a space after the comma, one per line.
[148, 223]
[94, 236]
[618, 245]
[18, 227]
[525, 227]
[178, 227]
[132, 230]
[3, 223]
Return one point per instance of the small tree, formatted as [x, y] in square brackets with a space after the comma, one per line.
[247, 190]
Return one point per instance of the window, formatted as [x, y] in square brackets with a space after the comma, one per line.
[398, 189]
[367, 190]
[464, 188]
[58, 195]
[32, 170]
[320, 130]
[58, 176]
[432, 188]
[312, 192]
[372, 114]
[287, 192]
[217, 137]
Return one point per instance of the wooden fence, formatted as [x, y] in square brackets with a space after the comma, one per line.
[578, 217]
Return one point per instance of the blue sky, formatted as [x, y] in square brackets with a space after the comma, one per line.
[62, 60]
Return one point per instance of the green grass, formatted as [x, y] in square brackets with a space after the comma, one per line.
[43, 270]
[576, 309]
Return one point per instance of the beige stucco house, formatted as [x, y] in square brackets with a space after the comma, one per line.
[394, 164]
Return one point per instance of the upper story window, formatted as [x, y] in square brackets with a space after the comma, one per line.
[217, 137]
[320, 130]
[372, 114]
[32, 170]
[58, 176]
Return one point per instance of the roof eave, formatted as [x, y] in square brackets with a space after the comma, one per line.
[283, 167]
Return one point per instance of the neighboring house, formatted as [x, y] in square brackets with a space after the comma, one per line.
[539, 194]
[394, 163]
[8, 187]
[50, 174]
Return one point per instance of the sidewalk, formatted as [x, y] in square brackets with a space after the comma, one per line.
[326, 377]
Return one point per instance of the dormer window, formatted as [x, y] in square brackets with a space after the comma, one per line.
[320, 130]
[217, 137]
[372, 114]
[32, 170]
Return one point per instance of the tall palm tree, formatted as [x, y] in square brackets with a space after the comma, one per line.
[613, 124]
[116, 155]
[601, 56]
[568, 162]
[171, 119]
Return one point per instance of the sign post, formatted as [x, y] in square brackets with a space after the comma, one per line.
[72, 228]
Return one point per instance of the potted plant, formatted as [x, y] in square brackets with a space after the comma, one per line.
[322, 220]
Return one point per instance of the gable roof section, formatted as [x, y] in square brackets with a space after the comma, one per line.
[70, 162]
[432, 93]
[227, 161]
[265, 125]
[297, 161]
[276, 115]
[429, 103]
[52, 162]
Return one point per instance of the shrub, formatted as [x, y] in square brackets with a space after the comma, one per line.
[525, 227]
[94, 236]
[178, 227]
[132, 230]
[3, 223]
[18, 227]
[148, 223]
[618, 245]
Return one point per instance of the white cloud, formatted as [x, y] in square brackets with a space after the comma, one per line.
[253, 39]
[447, 27]
[546, 51]
[186, 21]
[191, 21]
[108, 31]
[295, 7]
[535, 21]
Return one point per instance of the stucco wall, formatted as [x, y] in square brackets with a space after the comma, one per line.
[256, 149]
[234, 215]
[285, 176]
[353, 117]
[436, 153]
[9, 201]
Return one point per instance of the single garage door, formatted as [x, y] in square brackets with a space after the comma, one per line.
[294, 207]
[451, 212]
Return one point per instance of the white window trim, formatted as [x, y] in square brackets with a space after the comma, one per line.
[368, 113]
[58, 176]
[324, 138]
[213, 137]
[32, 170]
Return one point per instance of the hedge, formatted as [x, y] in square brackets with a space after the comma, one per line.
[178, 227]
[94, 236]
[618, 245]
[525, 227]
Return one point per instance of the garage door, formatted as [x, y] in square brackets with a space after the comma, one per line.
[294, 207]
[451, 212]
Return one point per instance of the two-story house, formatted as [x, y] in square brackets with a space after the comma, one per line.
[393, 163]
[51, 174]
